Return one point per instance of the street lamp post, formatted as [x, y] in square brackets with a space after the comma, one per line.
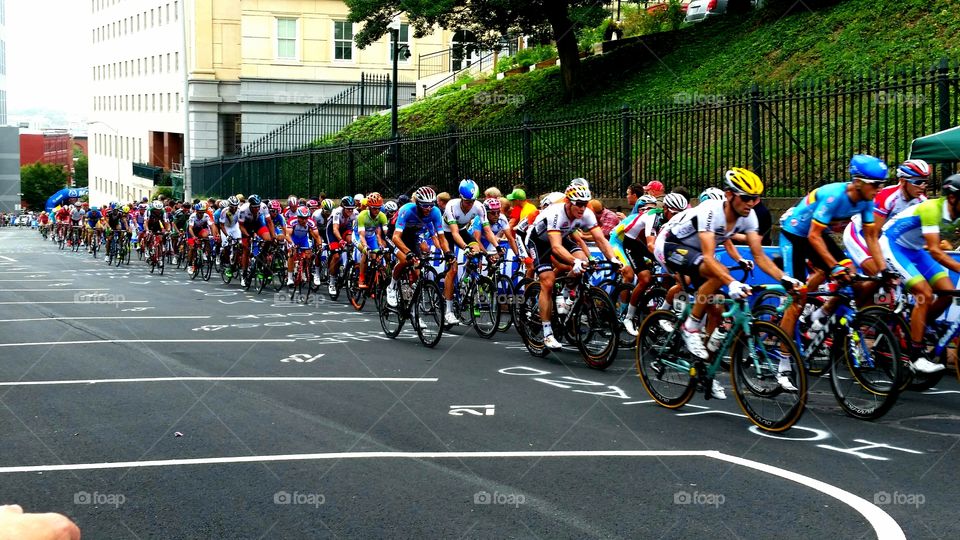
[393, 153]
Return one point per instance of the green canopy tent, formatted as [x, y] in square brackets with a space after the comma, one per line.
[943, 146]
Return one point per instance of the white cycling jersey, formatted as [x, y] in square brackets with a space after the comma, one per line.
[454, 214]
[555, 218]
[708, 216]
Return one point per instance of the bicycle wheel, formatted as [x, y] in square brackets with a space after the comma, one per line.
[866, 374]
[755, 363]
[901, 331]
[505, 300]
[207, 259]
[529, 325]
[60, 240]
[596, 326]
[428, 313]
[161, 259]
[391, 318]
[662, 362]
[337, 280]
[227, 267]
[484, 308]
[75, 241]
[197, 263]
[357, 296]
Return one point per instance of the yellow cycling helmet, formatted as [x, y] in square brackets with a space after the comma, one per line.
[743, 182]
[126, 209]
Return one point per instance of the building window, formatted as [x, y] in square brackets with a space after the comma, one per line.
[168, 62]
[176, 11]
[287, 39]
[176, 61]
[403, 39]
[342, 40]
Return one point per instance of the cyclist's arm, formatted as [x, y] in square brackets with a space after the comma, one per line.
[362, 233]
[315, 232]
[511, 239]
[455, 232]
[488, 232]
[936, 251]
[603, 244]
[815, 237]
[755, 241]
[557, 249]
[397, 234]
[335, 227]
[708, 247]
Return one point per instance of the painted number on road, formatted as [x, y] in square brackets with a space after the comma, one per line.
[302, 358]
[471, 410]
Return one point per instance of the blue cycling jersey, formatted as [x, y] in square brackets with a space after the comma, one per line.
[826, 205]
[216, 215]
[410, 216]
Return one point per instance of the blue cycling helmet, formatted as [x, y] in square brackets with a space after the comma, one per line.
[348, 202]
[469, 189]
[868, 168]
[114, 205]
[403, 199]
[254, 200]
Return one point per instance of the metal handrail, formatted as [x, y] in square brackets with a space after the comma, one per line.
[453, 75]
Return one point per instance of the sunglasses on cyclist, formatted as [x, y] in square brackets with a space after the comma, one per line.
[426, 206]
[749, 198]
[580, 204]
[918, 182]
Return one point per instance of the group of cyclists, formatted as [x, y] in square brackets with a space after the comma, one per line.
[894, 232]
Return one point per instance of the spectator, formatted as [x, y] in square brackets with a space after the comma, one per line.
[520, 208]
[492, 193]
[633, 193]
[654, 188]
[442, 200]
[607, 219]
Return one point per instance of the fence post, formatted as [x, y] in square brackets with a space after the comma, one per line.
[351, 171]
[527, 152]
[756, 153]
[943, 104]
[309, 175]
[363, 109]
[453, 149]
[626, 150]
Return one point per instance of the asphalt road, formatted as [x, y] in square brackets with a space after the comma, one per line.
[149, 407]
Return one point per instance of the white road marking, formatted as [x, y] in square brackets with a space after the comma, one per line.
[110, 303]
[885, 527]
[104, 341]
[50, 290]
[38, 280]
[123, 318]
[224, 379]
[7, 259]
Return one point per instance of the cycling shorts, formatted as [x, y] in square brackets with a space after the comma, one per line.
[684, 260]
[915, 265]
[631, 252]
[796, 251]
[372, 242]
[542, 249]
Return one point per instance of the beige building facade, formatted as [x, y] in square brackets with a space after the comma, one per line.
[257, 64]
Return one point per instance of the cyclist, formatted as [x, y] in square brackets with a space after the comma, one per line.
[301, 233]
[911, 245]
[76, 218]
[290, 212]
[371, 224]
[909, 191]
[92, 226]
[178, 224]
[689, 243]
[200, 225]
[554, 235]
[254, 220]
[155, 223]
[229, 224]
[339, 229]
[412, 218]
[460, 213]
[804, 236]
[116, 223]
[500, 226]
[44, 221]
[62, 216]
[635, 251]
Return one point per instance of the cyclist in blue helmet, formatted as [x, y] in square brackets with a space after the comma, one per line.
[804, 233]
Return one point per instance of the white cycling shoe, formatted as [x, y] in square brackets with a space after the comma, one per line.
[451, 318]
[630, 328]
[391, 297]
[925, 366]
[551, 342]
[694, 343]
[717, 391]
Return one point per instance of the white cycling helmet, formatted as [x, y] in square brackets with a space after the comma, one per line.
[712, 194]
[157, 205]
[578, 194]
[425, 195]
[580, 182]
[675, 201]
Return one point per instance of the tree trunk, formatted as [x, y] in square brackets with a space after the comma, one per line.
[567, 48]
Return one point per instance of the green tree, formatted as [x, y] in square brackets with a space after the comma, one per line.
[489, 21]
[39, 181]
[81, 171]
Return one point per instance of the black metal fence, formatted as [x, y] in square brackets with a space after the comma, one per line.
[796, 137]
[370, 95]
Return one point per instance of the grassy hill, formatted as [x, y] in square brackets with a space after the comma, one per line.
[723, 56]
